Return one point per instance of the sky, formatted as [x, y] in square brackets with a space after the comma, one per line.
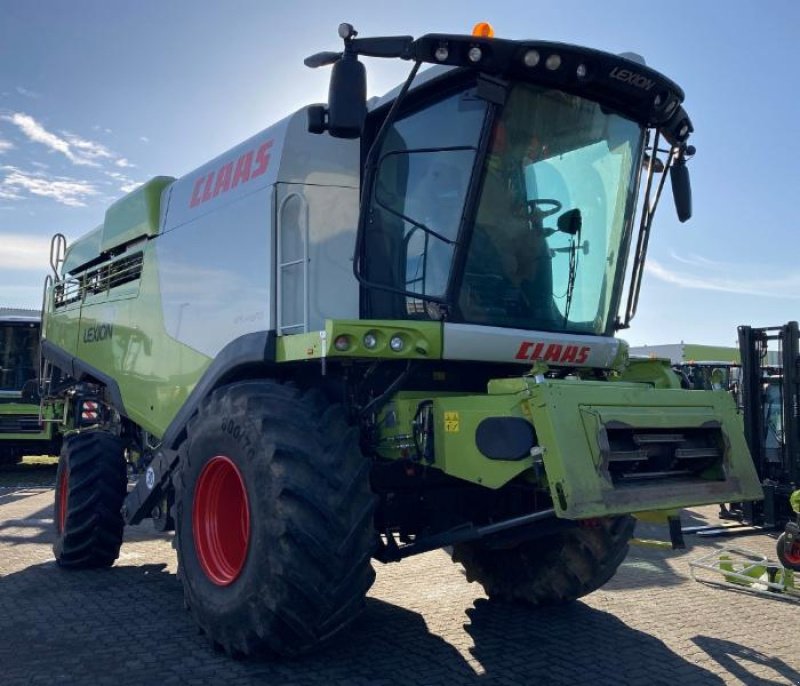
[97, 97]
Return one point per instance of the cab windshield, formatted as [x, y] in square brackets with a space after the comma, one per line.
[18, 356]
[558, 188]
[528, 235]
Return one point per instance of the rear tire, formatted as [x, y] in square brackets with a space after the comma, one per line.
[285, 563]
[91, 484]
[553, 569]
[790, 559]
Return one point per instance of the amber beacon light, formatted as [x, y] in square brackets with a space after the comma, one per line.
[483, 30]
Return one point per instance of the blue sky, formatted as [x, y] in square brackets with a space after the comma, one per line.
[96, 97]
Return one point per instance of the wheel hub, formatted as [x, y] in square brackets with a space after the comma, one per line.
[221, 520]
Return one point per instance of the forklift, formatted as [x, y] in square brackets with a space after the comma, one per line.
[769, 401]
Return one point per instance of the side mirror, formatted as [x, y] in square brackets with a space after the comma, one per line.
[681, 189]
[347, 98]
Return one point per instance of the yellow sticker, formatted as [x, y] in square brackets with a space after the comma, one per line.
[451, 422]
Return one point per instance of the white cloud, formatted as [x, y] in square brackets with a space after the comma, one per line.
[126, 183]
[144, 139]
[130, 186]
[87, 149]
[5, 145]
[76, 149]
[67, 191]
[786, 286]
[35, 132]
[24, 252]
[27, 93]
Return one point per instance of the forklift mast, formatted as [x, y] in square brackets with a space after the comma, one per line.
[770, 405]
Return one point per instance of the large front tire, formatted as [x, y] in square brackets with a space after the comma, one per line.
[553, 569]
[91, 484]
[274, 519]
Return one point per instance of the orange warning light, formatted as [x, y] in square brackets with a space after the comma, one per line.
[483, 30]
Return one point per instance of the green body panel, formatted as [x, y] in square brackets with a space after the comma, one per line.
[456, 418]
[8, 409]
[421, 340]
[569, 415]
[134, 216]
[656, 372]
[154, 372]
[83, 250]
[456, 421]
[569, 418]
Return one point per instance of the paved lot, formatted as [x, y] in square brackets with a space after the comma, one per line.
[424, 623]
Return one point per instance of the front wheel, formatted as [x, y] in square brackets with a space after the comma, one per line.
[554, 569]
[274, 519]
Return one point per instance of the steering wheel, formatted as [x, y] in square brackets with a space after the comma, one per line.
[553, 205]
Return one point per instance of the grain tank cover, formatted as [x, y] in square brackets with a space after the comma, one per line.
[84, 250]
[134, 216]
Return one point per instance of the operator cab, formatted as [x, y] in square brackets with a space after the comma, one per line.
[502, 192]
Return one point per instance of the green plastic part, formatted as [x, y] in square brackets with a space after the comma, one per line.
[654, 371]
[456, 419]
[794, 501]
[13, 408]
[83, 250]
[134, 216]
[347, 338]
[572, 419]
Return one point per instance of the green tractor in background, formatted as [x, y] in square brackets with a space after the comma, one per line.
[372, 331]
[22, 430]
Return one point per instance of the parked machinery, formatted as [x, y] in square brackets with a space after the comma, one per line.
[371, 332]
[22, 430]
[770, 399]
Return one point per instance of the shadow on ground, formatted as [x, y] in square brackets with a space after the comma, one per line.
[740, 660]
[127, 625]
[39, 473]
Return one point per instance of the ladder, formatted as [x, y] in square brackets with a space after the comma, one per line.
[58, 251]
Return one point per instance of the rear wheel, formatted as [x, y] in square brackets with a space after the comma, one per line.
[553, 569]
[274, 519]
[789, 558]
[91, 484]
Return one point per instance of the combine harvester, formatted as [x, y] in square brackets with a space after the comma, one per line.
[23, 430]
[375, 331]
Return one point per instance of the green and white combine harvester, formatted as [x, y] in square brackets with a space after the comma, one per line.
[23, 431]
[378, 329]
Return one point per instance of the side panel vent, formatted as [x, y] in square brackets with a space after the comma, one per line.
[99, 280]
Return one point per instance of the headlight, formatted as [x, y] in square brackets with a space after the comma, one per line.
[397, 344]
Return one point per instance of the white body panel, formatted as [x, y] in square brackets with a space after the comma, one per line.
[474, 342]
[218, 251]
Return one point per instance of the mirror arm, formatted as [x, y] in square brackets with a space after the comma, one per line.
[642, 240]
[370, 167]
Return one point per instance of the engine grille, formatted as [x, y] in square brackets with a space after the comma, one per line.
[19, 424]
[633, 455]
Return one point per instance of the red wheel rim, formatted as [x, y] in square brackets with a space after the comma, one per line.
[221, 520]
[61, 503]
[793, 554]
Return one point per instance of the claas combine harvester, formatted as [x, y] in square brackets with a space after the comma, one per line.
[378, 329]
